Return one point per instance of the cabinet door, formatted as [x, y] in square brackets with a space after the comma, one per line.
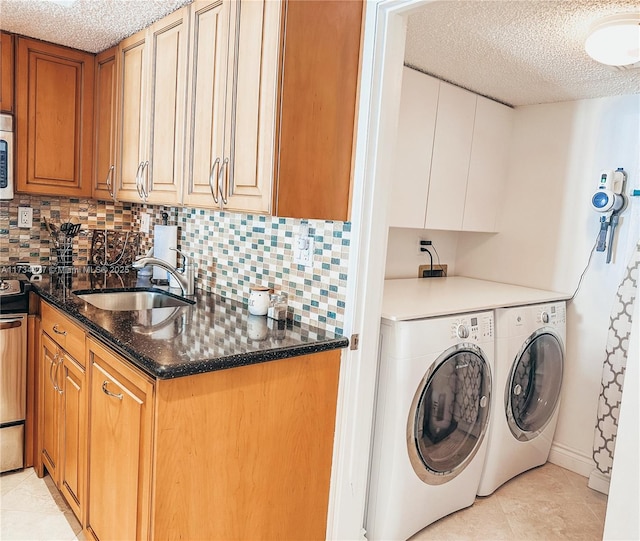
[104, 152]
[451, 153]
[414, 146]
[168, 49]
[73, 434]
[49, 405]
[488, 165]
[318, 100]
[54, 109]
[209, 32]
[251, 110]
[132, 116]
[120, 425]
[6, 72]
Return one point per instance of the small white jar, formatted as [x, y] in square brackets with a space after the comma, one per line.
[257, 328]
[259, 300]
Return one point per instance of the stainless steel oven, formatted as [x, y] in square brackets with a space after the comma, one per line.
[6, 157]
[13, 373]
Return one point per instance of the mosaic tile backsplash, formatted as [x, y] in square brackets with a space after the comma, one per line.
[232, 251]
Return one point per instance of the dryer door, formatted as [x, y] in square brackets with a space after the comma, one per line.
[449, 414]
[533, 391]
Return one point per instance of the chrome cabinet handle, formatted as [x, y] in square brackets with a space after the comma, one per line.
[108, 392]
[58, 365]
[54, 362]
[145, 191]
[58, 331]
[211, 175]
[225, 164]
[140, 165]
[108, 181]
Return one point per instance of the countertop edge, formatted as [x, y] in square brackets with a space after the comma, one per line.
[421, 298]
[150, 367]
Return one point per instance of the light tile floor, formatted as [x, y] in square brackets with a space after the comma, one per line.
[548, 503]
[545, 504]
[32, 509]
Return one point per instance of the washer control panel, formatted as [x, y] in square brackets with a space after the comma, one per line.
[475, 328]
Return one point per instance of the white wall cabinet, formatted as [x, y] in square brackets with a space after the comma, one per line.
[487, 165]
[451, 155]
[414, 147]
[232, 104]
[450, 158]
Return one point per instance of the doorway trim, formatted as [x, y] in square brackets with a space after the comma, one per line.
[380, 86]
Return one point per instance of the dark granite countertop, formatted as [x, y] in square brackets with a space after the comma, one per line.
[215, 333]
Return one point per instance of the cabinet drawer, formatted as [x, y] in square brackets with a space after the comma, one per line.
[67, 334]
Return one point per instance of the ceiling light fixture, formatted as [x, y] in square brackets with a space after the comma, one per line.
[615, 41]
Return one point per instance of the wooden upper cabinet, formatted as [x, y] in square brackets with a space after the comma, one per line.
[318, 98]
[167, 106]
[104, 152]
[209, 39]
[6, 72]
[251, 108]
[232, 104]
[131, 141]
[153, 85]
[54, 110]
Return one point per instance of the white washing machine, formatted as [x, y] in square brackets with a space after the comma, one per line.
[432, 412]
[529, 364]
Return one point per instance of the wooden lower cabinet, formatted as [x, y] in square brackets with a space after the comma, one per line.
[49, 406]
[63, 406]
[246, 453]
[73, 434]
[243, 453]
[120, 432]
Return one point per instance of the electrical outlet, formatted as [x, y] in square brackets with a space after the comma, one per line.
[423, 244]
[144, 222]
[303, 251]
[25, 217]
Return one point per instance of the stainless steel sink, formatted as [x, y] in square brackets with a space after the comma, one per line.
[131, 300]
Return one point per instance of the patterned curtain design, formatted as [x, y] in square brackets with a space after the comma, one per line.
[614, 368]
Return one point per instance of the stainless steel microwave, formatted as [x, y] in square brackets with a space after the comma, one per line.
[6, 157]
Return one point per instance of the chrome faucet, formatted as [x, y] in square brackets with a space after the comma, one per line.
[185, 276]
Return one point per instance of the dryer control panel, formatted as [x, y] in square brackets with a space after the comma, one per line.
[474, 328]
[551, 314]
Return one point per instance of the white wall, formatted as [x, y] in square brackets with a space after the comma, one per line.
[403, 257]
[548, 230]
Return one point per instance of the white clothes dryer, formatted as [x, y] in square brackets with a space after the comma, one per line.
[529, 364]
[432, 412]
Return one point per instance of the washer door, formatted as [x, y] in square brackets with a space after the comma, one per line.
[449, 414]
[533, 390]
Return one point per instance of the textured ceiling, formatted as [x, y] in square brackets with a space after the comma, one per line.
[517, 52]
[89, 25]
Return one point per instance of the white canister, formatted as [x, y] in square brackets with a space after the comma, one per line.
[259, 300]
[257, 328]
